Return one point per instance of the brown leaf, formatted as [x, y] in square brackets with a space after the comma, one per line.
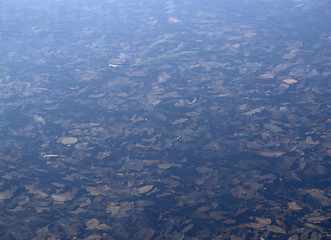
[217, 215]
[275, 229]
[238, 192]
[310, 141]
[145, 189]
[179, 121]
[263, 221]
[268, 153]
[293, 206]
[290, 81]
[92, 223]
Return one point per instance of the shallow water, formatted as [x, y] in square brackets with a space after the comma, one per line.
[165, 120]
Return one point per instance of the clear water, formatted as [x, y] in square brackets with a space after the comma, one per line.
[165, 119]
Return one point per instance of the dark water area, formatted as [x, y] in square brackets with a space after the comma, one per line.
[178, 120]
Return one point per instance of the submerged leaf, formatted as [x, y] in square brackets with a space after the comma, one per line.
[145, 189]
